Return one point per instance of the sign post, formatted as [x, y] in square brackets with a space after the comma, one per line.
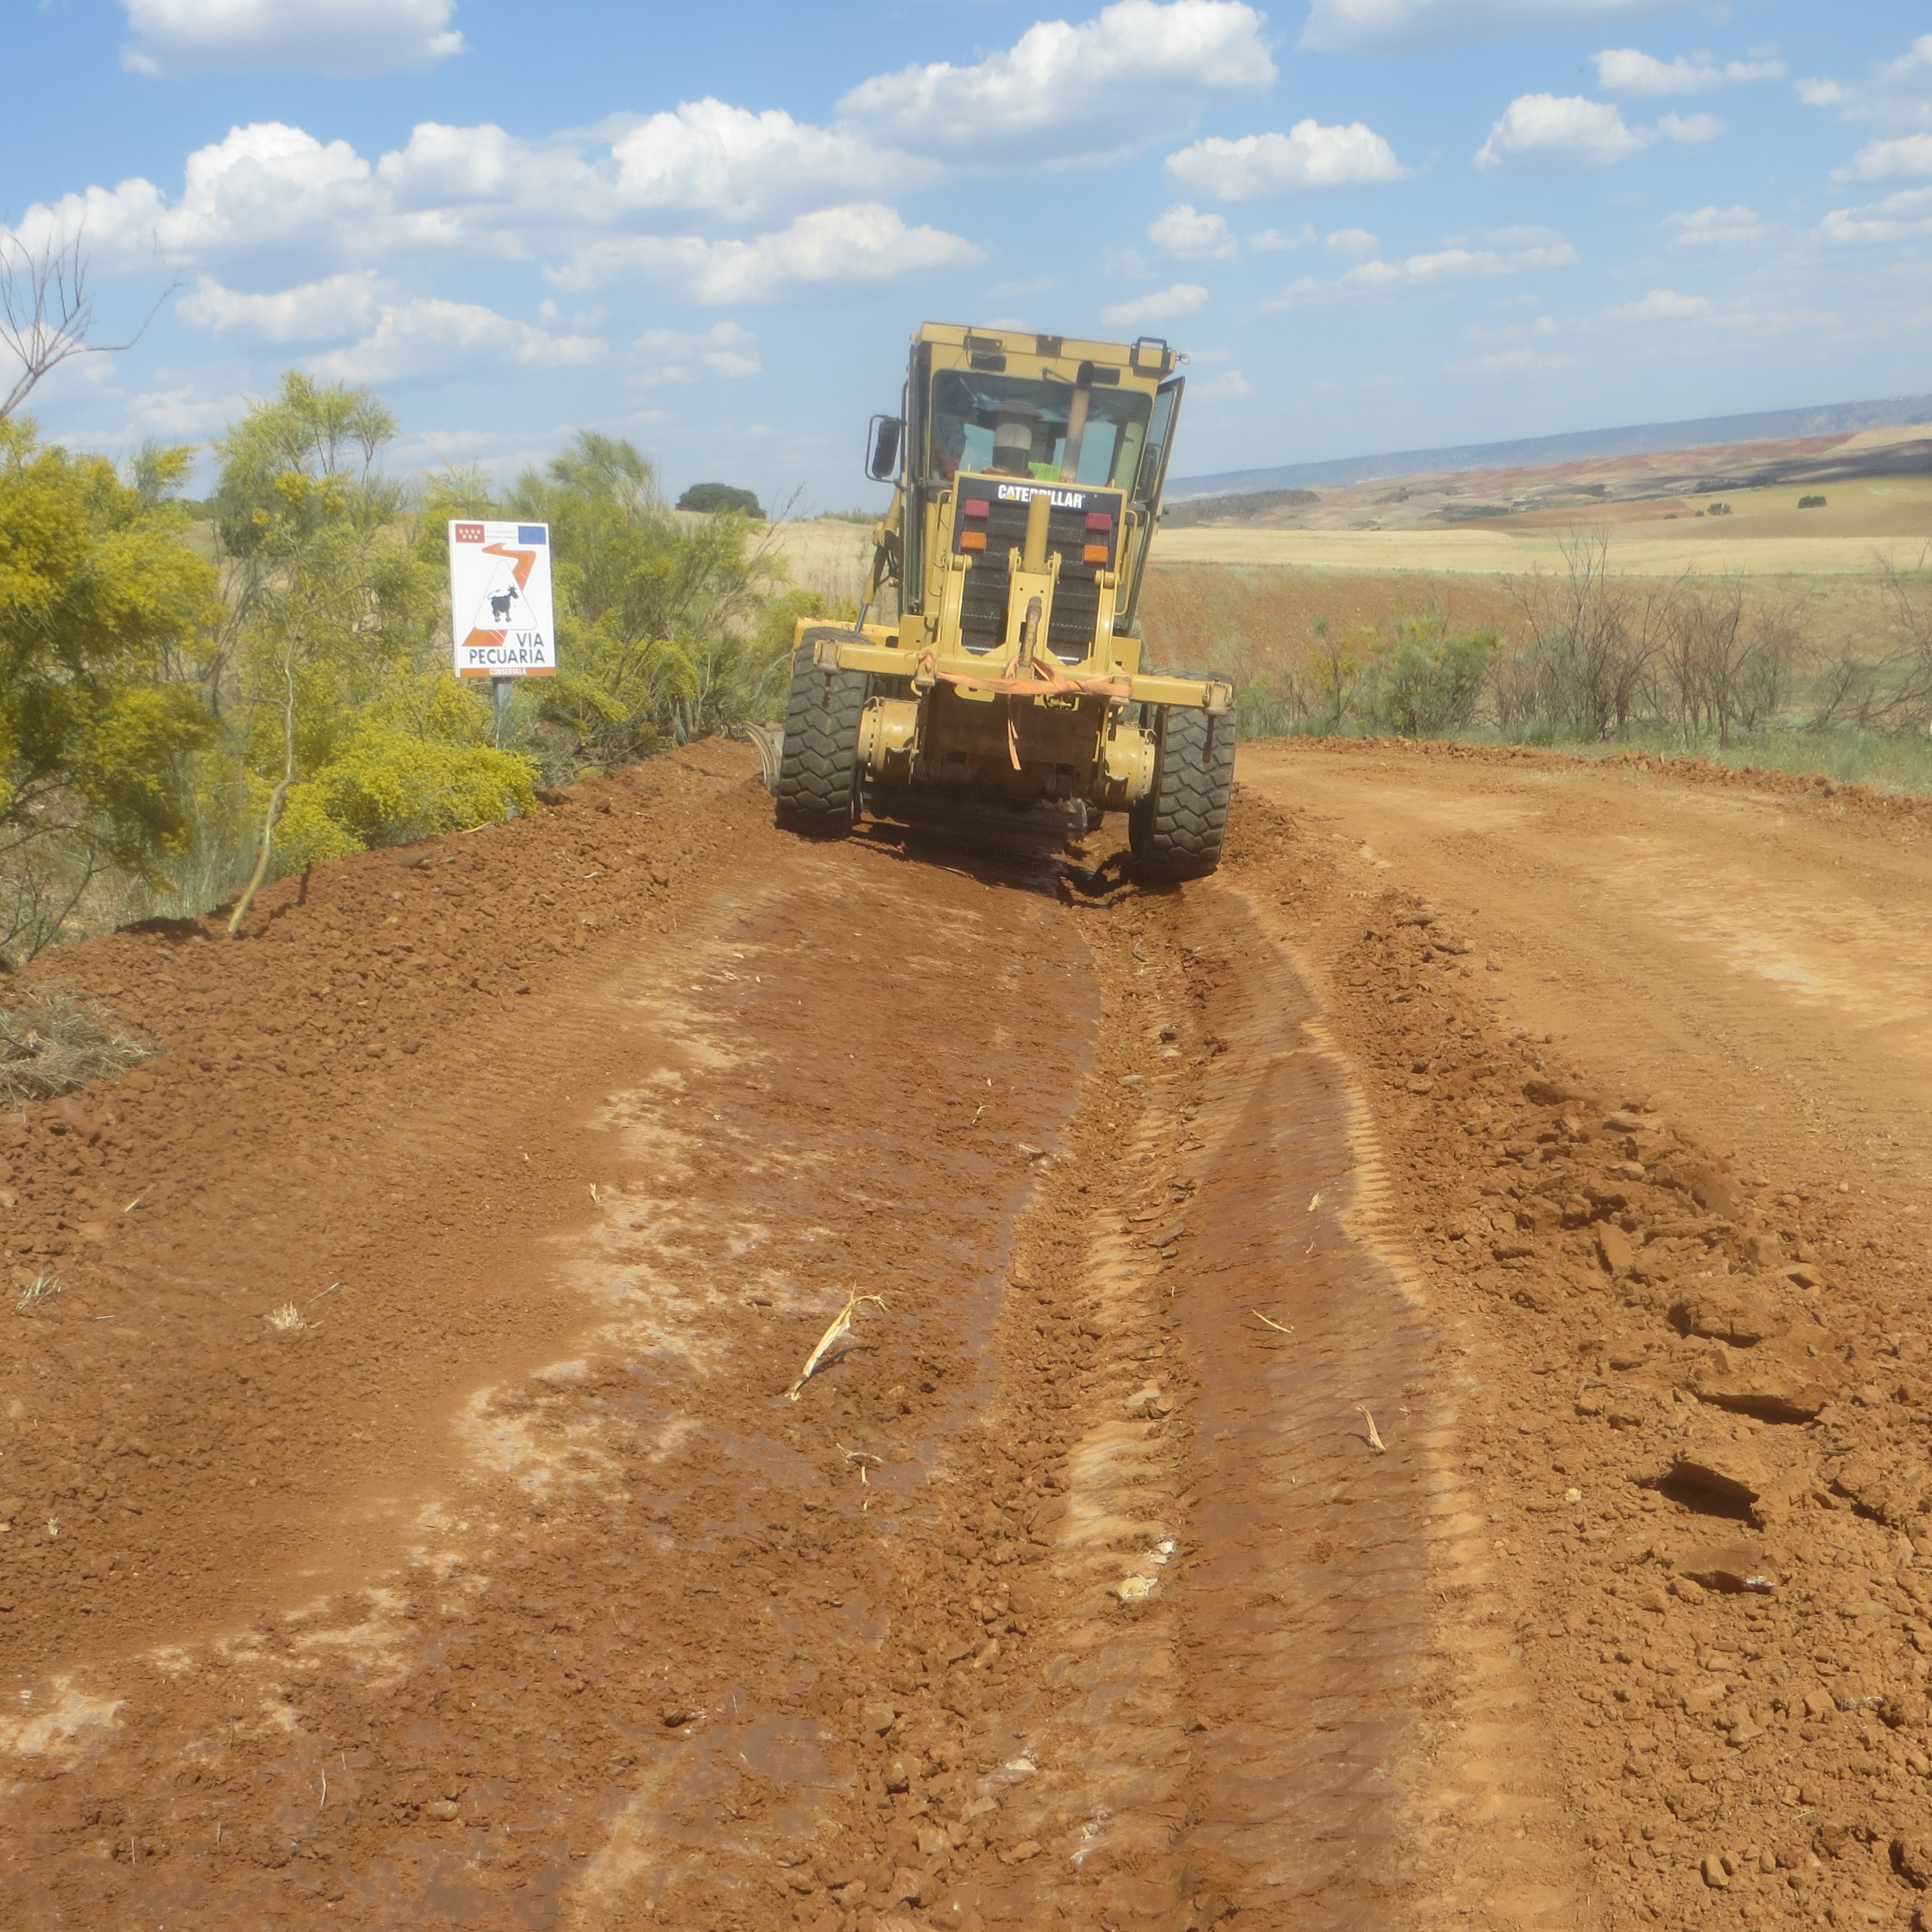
[501, 617]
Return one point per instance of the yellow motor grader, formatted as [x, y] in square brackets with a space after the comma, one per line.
[1028, 472]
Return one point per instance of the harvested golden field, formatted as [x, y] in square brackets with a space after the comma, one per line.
[1521, 544]
[830, 556]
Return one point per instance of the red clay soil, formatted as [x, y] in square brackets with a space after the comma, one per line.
[1863, 799]
[1322, 1454]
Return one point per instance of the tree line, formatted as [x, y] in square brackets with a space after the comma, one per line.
[187, 700]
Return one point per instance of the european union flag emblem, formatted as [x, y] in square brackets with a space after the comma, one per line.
[533, 533]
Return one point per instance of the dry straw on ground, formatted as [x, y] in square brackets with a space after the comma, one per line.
[52, 1043]
[841, 1327]
[42, 1288]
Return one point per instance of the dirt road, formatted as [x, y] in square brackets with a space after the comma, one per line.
[1761, 960]
[1309, 1449]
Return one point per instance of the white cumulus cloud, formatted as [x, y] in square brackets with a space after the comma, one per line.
[1541, 133]
[1507, 251]
[1715, 227]
[266, 189]
[1272, 240]
[1625, 70]
[1308, 156]
[1690, 128]
[860, 241]
[1887, 160]
[185, 412]
[331, 36]
[709, 157]
[322, 311]
[479, 177]
[1661, 305]
[271, 205]
[1352, 244]
[704, 157]
[1564, 133]
[1895, 93]
[672, 355]
[1136, 70]
[1897, 218]
[430, 336]
[1182, 230]
[1391, 26]
[1183, 298]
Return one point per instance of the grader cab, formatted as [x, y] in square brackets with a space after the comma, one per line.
[1028, 472]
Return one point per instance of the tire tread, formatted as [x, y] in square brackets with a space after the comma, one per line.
[818, 767]
[1185, 822]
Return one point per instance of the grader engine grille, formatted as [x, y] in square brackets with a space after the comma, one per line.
[990, 520]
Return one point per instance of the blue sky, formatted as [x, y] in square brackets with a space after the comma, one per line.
[1373, 224]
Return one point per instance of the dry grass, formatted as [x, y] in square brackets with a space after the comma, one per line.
[831, 558]
[1260, 626]
[1240, 619]
[54, 1043]
[41, 1289]
[1482, 552]
[1246, 620]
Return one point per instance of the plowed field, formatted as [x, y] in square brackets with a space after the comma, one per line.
[1388, 1388]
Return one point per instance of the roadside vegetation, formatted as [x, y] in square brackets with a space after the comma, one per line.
[1583, 657]
[198, 695]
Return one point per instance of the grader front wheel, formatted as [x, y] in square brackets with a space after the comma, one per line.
[1177, 831]
[819, 777]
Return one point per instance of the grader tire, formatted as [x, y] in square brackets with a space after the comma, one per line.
[1177, 830]
[817, 790]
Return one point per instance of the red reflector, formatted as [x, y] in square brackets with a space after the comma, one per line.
[1094, 553]
[1099, 520]
[973, 540]
[975, 506]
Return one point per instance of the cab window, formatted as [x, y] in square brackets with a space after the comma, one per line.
[1013, 426]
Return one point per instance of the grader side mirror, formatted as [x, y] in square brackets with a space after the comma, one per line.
[883, 464]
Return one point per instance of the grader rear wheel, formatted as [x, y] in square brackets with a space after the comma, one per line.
[1177, 831]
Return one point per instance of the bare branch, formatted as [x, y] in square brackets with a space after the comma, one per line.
[46, 311]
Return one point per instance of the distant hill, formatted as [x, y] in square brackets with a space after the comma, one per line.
[1641, 438]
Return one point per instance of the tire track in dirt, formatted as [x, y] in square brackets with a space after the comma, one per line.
[992, 1626]
[1697, 1408]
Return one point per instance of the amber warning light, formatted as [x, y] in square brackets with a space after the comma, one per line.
[501, 620]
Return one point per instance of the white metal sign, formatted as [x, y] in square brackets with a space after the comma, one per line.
[499, 600]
